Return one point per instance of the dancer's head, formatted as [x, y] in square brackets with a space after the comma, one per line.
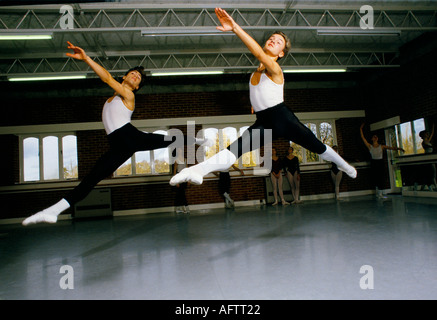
[136, 77]
[290, 150]
[424, 134]
[375, 138]
[278, 44]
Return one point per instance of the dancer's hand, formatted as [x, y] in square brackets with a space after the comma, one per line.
[228, 24]
[78, 54]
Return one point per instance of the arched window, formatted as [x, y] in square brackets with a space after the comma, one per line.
[48, 157]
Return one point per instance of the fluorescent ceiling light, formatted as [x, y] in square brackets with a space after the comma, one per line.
[314, 70]
[186, 73]
[357, 32]
[27, 36]
[42, 78]
[183, 32]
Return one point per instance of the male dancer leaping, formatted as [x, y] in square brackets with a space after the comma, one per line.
[124, 138]
[267, 99]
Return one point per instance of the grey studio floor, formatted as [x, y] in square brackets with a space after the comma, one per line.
[314, 250]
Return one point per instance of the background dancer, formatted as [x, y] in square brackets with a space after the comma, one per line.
[291, 165]
[225, 185]
[377, 163]
[276, 177]
[124, 138]
[267, 99]
[336, 176]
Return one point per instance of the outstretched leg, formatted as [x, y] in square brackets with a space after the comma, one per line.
[106, 165]
[221, 160]
[291, 128]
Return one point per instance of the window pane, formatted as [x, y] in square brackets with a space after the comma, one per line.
[229, 136]
[51, 157]
[211, 133]
[161, 157]
[31, 159]
[142, 165]
[407, 138]
[419, 125]
[69, 155]
[125, 169]
[297, 150]
[326, 135]
[310, 156]
[249, 159]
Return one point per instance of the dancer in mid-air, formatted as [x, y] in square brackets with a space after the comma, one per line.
[124, 138]
[267, 99]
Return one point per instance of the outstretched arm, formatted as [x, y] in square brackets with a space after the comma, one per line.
[104, 75]
[238, 169]
[432, 133]
[392, 148]
[363, 138]
[228, 24]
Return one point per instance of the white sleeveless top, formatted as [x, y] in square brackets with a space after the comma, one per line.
[376, 153]
[266, 93]
[115, 114]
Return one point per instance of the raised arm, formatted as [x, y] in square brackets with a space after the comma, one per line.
[363, 138]
[103, 74]
[228, 24]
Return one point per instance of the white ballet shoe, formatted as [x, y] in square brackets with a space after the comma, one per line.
[40, 217]
[187, 175]
[332, 156]
[350, 171]
[228, 199]
[49, 215]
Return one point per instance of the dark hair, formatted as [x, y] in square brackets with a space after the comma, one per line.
[287, 42]
[143, 76]
[422, 133]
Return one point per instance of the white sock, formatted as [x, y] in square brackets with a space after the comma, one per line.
[332, 156]
[228, 197]
[218, 162]
[49, 215]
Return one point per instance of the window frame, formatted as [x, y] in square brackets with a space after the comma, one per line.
[399, 136]
[318, 122]
[237, 126]
[152, 159]
[40, 137]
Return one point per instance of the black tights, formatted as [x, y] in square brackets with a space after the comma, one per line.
[123, 142]
[284, 124]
